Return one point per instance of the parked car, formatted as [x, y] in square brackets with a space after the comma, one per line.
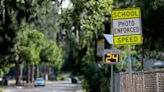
[39, 82]
[74, 80]
[158, 65]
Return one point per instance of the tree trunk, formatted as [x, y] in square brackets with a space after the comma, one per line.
[37, 70]
[18, 74]
[46, 73]
[28, 73]
[32, 73]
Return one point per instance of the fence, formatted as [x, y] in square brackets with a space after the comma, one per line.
[147, 81]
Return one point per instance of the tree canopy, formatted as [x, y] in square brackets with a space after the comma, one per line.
[33, 48]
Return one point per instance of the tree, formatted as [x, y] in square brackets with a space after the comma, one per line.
[51, 54]
[28, 48]
[152, 18]
[80, 26]
[48, 19]
[15, 15]
[33, 48]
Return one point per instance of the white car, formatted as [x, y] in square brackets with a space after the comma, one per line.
[39, 82]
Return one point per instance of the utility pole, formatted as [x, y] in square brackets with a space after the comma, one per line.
[111, 78]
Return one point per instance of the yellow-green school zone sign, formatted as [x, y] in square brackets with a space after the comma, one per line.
[126, 26]
[131, 39]
[126, 13]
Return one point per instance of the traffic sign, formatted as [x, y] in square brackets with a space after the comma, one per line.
[126, 26]
[126, 13]
[130, 39]
[111, 56]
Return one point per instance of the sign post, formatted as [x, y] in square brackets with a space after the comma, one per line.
[130, 70]
[111, 56]
[111, 81]
[127, 30]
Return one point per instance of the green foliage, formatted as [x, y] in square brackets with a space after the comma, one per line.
[123, 66]
[97, 78]
[152, 17]
[80, 26]
[28, 45]
[21, 1]
[48, 19]
[51, 54]
[138, 66]
[82, 23]
[16, 15]
[34, 48]
[94, 14]
[92, 73]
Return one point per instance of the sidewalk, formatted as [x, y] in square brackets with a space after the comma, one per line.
[79, 91]
[79, 88]
[50, 85]
[12, 82]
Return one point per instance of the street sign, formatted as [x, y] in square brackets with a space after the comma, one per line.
[126, 13]
[111, 56]
[130, 39]
[126, 26]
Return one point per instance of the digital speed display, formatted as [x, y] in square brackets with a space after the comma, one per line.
[111, 56]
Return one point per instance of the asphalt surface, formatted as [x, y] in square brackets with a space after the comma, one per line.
[58, 86]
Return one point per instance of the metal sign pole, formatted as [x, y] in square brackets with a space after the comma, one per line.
[111, 56]
[130, 70]
[111, 78]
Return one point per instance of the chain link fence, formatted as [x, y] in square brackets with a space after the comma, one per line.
[147, 81]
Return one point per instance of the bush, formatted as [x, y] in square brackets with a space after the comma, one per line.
[92, 77]
[97, 78]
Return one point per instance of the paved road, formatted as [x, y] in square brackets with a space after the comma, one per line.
[59, 86]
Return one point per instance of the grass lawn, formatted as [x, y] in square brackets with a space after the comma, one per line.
[1, 90]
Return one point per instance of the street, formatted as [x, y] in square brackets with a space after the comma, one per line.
[58, 86]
